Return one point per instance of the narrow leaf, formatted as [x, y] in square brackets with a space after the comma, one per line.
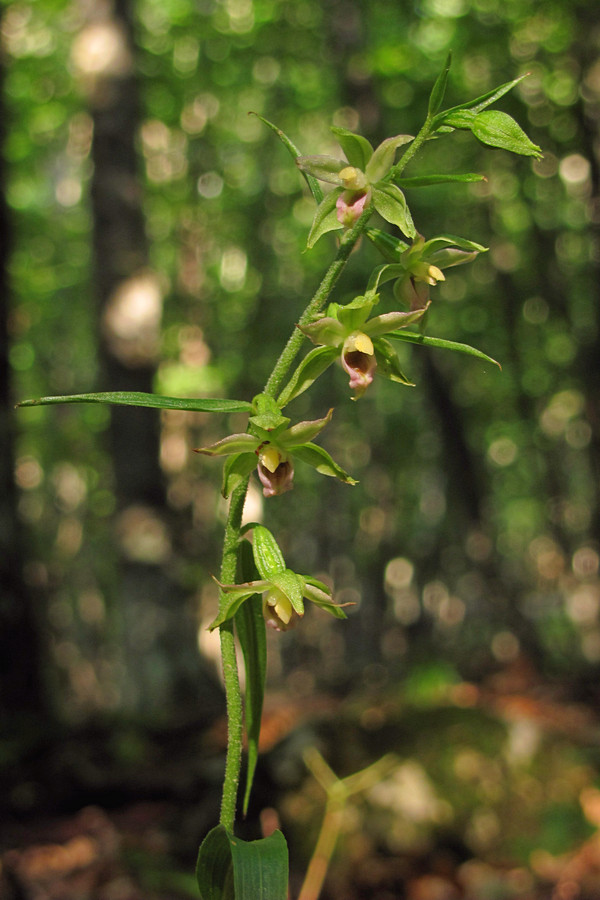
[357, 148]
[251, 631]
[481, 102]
[389, 202]
[313, 184]
[428, 180]
[314, 364]
[231, 869]
[154, 401]
[412, 338]
[497, 129]
[439, 88]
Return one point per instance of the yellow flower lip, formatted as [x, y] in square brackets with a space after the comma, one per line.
[270, 458]
[435, 274]
[352, 179]
[361, 342]
[280, 604]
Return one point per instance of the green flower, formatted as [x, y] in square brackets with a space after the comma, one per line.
[359, 183]
[418, 266]
[271, 447]
[347, 332]
[283, 590]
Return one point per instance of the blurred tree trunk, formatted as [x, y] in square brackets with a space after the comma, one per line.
[160, 656]
[20, 658]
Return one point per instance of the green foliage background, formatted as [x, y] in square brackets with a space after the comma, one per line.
[473, 535]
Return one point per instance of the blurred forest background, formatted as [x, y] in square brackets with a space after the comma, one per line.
[152, 238]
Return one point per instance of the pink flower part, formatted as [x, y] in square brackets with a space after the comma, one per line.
[277, 482]
[358, 359]
[350, 206]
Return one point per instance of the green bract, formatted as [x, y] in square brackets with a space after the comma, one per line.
[283, 590]
[270, 449]
[359, 182]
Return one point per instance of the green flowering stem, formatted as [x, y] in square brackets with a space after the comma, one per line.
[232, 529]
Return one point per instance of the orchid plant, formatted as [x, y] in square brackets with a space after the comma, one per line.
[256, 585]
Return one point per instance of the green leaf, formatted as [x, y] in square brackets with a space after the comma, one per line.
[428, 180]
[236, 469]
[155, 401]
[412, 338]
[313, 184]
[383, 158]
[462, 118]
[314, 364]
[325, 218]
[268, 558]
[439, 88]
[357, 148]
[231, 869]
[389, 202]
[497, 129]
[480, 102]
[251, 631]
[388, 364]
[320, 460]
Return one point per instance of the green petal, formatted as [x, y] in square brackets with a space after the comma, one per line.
[320, 460]
[303, 432]
[234, 443]
[441, 241]
[358, 150]
[383, 158]
[389, 202]
[325, 218]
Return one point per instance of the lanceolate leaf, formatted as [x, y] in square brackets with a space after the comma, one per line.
[439, 88]
[320, 460]
[497, 129]
[155, 401]
[313, 184]
[250, 627]
[428, 180]
[388, 364]
[314, 364]
[481, 102]
[231, 869]
[412, 338]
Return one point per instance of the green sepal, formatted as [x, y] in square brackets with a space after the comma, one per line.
[389, 202]
[354, 314]
[386, 272]
[388, 364]
[358, 150]
[388, 322]
[319, 594]
[325, 218]
[320, 460]
[236, 469]
[497, 129]
[233, 443]
[231, 869]
[390, 247]
[314, 364]
[154, 401]
[413, 338]
[325, 168]
[267, 414]
[443, 240]
[327, 330]
[439, 88]
[250, 628]
[267, 555]
[232, 597]
[415, 181]
[313, 184]
[383, 158]
[292, 586]
[303, 432]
